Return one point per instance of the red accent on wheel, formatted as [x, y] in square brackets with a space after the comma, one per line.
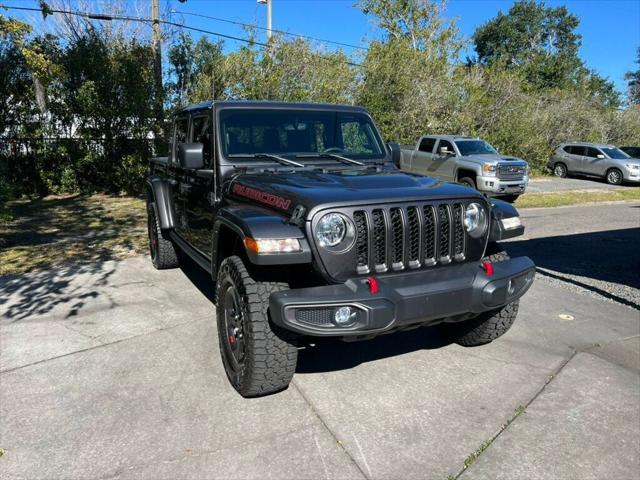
[232, 340]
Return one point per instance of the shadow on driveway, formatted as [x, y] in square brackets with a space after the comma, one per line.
[611, 256]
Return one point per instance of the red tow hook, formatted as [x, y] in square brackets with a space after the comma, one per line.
[488, 268]
[373, 285]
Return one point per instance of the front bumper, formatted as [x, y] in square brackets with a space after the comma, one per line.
[496, 186]
[631, 175]
[452, 293]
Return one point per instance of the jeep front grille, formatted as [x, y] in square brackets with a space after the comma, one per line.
[397, 238]
[511, 172]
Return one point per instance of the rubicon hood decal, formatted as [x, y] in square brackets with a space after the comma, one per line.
[262, 197]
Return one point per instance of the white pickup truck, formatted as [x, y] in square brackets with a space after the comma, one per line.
[467, 160]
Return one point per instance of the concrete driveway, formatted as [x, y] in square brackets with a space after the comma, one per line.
[112, 371]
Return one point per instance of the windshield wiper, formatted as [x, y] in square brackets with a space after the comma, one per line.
[331, 155]
[270, 156]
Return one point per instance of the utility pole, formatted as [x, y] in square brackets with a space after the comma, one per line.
[156, 46]
[268, 3]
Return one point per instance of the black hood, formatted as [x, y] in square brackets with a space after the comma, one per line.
[316, 189]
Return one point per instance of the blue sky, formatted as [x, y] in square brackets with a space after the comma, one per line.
[610, 29]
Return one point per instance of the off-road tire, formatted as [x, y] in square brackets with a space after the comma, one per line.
[470, 182]
[163, 253]
[560, 170]
[488, 325]
[614, 176]
[270, 353]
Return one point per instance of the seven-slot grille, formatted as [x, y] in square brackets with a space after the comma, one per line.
[396, 238]
[511, 172]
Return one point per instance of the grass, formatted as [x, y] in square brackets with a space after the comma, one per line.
[58, 229]
[558, 199]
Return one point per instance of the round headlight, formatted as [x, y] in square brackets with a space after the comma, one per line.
[335, 232]
[475, 220]
[331, 230]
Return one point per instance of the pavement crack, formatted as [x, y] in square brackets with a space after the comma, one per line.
[295, 385]
[473, 457]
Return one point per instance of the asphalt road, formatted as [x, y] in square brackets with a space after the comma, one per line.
[112, 370]
[554, 184]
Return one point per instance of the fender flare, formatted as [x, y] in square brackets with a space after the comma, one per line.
[159, 191]
[477, 169]
[499, 211]
[257, 222]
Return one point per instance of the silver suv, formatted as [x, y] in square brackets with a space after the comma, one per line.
[595, 159]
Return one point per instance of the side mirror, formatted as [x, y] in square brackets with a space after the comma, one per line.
[396, 153]
[190, 156]
[600, 156]
[445, 152]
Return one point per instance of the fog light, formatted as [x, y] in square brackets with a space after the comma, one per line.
[345, 316]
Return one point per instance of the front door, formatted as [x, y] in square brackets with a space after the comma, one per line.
[444, 164]
[201, 197]
[592, 164]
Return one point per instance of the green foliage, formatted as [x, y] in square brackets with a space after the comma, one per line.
[77, 114]
[633, 78]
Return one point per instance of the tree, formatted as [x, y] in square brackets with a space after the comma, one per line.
[419, 21]
[539, 40]
[633, 78]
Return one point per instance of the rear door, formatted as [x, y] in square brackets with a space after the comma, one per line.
[574, 155]
[180, 135]
[200, 196]
[422, 160]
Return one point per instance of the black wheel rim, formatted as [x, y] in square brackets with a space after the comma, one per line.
[233, 326]
[153, 236]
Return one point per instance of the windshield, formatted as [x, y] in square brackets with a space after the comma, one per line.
[299, 132]
[474, 147]
[615, 153]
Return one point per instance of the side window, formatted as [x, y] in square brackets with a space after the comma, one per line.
[427, 144]
[445, 144]
[180, 135]
[201, 132]
[593, 152]
[574, 150]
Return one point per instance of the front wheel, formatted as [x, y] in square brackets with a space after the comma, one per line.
[614, 176]
[488, 325]
[468, 181]
[258, 357]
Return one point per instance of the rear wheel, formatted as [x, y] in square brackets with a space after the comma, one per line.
[488, 325]
[614, 176]
[162, 251]
[560, 170]
[258, 357]
[468, 181]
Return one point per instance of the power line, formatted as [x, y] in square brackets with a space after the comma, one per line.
[218, 19]
[109, 17]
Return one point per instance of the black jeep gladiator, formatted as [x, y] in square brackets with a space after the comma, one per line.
[309, 229]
